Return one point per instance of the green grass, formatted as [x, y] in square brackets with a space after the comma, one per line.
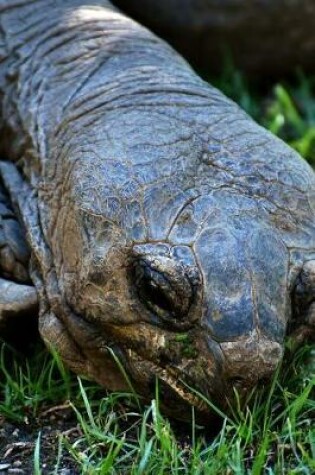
[274, 434]
[28, 384]
[274, 431]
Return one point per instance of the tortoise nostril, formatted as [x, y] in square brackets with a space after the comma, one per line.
[242, 383]
[236, 381]
[239, 384]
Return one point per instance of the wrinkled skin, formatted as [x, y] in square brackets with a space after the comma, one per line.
[167, 230]
[267, 38]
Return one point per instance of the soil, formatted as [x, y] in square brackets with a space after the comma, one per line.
[18, 442]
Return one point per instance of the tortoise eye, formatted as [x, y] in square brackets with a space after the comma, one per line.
[167, 296]
[156, 293]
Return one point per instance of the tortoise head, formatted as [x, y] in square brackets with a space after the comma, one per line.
[172, 275]
[202, 311]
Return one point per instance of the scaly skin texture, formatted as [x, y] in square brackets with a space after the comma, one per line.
[167, 230]
[268, 37]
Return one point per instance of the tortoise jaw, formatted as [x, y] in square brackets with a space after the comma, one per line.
[171, 378]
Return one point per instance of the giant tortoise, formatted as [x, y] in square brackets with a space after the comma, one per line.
[155, 225]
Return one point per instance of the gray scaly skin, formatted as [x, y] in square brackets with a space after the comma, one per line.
[167, 230]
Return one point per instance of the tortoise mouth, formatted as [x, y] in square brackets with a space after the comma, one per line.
[172, 378]
[189, 373]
